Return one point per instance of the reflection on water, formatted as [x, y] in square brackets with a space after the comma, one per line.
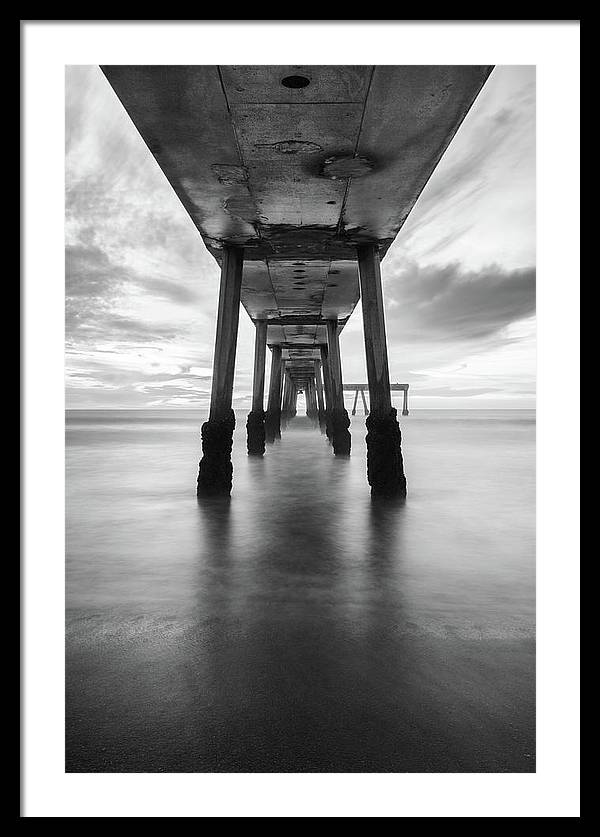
[299, 625]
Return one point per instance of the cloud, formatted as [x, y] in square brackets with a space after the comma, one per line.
[480, 201]
[181, 401]
[449, 303]
[181, 385]
[81, 381]
[453, 392]
[468, 164]
[91, 273]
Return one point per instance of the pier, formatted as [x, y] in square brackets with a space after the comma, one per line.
[298, 180]
[359, 389]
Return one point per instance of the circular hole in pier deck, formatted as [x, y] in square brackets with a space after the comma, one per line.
[295, 82]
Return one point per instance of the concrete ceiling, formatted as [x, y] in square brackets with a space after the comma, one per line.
[298, 165]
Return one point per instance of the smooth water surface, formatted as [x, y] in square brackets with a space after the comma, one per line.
[300, 626]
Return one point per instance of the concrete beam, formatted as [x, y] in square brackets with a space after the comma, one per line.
[302, 320]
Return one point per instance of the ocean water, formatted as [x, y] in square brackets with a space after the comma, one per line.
[300, 626]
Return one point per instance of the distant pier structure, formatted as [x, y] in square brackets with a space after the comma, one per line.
[298, 179]
[360, 389]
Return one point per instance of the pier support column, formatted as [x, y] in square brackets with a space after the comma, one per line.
[385, 468]
[284, 396]
[312, 410]
[215, 472]
[286, 403]
[405, 403]
[291, 397]
[273, 417]
[290, 406]
[255, 425]
[327, 388]
[364, 401]
[355, 402]
[339, 421]
[320, 398]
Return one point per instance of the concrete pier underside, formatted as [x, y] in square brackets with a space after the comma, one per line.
[297, 170]
[297, 176]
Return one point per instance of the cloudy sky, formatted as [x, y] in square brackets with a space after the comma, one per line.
[459, 282]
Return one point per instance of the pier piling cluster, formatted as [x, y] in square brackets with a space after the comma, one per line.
[315, 371]
[298, 180]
